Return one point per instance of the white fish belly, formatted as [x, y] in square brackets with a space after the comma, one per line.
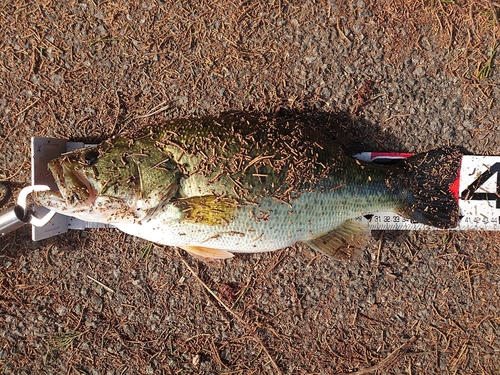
[269, 226]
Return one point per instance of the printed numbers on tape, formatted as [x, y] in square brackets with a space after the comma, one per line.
[480, 192]
[471, 193]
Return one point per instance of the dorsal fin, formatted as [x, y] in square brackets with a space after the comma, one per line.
[207, 252]
[345, 242]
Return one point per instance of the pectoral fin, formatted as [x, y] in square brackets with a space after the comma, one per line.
[206, 252]
[345, 242]
[208, 209]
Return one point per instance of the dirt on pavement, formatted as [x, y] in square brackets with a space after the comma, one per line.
[401, 75]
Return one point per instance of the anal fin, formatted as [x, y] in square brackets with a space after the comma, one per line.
[345, 242]
[207, 252]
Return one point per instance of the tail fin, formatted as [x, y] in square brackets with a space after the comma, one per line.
[432, 178]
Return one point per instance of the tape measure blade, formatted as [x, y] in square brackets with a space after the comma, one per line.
[480, 192]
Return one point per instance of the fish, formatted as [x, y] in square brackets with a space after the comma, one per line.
[243, 182]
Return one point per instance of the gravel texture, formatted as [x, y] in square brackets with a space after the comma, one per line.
[401, 75]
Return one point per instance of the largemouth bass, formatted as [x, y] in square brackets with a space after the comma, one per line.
[241, 182]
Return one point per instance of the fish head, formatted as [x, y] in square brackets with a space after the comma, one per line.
[118, 181]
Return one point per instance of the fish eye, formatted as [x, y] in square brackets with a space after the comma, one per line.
[90, 158]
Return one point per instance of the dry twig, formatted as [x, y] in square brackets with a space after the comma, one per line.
[386, 361]
[236, 316]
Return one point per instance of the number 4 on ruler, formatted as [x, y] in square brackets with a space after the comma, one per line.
[470, 193]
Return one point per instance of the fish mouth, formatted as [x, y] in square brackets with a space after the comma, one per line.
[74, 187]
[51, 199]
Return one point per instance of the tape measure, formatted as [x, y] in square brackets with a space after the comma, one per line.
[479, 195]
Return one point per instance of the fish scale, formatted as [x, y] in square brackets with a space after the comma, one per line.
[270, 225]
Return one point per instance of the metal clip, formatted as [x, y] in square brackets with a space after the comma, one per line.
[22, 200]
[17, 216]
